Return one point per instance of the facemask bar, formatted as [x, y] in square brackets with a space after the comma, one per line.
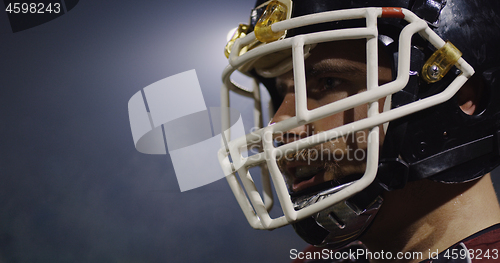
[258, 122]
[227, 166]
[246, 193]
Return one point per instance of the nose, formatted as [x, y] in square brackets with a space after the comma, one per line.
[286, 111]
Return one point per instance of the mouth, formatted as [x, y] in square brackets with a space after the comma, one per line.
[306, 176]
[305, 179]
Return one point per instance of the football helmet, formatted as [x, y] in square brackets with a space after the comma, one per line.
[435, 47]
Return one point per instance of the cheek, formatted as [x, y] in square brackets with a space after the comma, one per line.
[346, 117]
[325, 99]
[328, 123]
[338, 119]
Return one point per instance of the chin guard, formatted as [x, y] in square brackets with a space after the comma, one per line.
[341, 223]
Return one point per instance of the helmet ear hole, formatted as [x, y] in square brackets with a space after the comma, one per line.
[472, 98]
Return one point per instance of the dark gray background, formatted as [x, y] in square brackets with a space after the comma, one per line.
[73, 188]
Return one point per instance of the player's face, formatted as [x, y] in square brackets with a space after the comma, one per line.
[334, 71]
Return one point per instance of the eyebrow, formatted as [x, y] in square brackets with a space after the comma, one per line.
[334, 67]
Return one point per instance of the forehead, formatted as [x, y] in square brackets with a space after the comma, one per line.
[347, 50]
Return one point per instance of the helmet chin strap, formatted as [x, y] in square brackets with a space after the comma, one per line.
[341, 223]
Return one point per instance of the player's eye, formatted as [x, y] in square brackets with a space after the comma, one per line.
[328, 84]
[318, 88]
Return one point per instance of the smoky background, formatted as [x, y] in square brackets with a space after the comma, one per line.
[73, 187]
